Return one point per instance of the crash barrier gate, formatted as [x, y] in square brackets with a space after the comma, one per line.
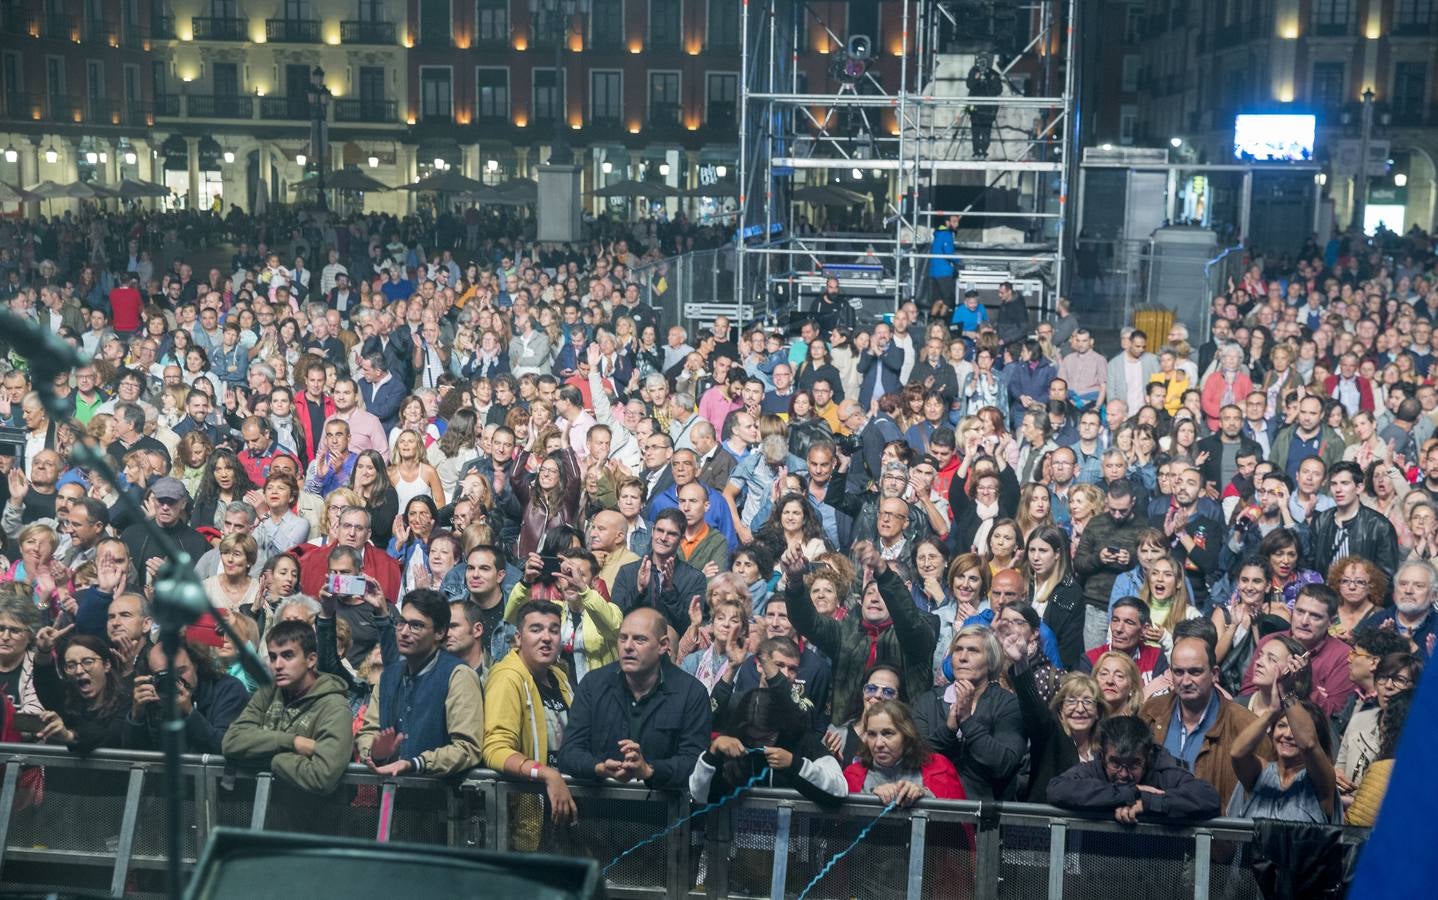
[97, 823]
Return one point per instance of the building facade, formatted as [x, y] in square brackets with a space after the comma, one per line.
[1200, 62]
[214, 98]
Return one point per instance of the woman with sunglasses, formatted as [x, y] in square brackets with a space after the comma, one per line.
[882, 682]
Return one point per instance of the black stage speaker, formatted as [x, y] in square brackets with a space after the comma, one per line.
[250, 865]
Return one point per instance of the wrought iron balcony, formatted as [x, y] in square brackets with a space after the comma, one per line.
[360, 32]
[366, 110]
[292, 31]
[218, 28]
[220, 106]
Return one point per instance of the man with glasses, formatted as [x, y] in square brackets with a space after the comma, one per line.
[334, 461]
[659, 579]
[657, 450]
[1194, 722]
[1107, 548]
[426, 711]
[1370, 646]
[354, 534]
[1412, 613]
[167, 502]
[684, 466]
[1134, 776]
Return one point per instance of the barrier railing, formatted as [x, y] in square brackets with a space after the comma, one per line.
[99, 825]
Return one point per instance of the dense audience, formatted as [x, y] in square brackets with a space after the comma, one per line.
[479, 504]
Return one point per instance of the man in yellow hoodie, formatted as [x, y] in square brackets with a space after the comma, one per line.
[526, 704]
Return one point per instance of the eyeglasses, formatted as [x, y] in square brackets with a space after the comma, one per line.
[411, 625]
[13, 630]
[879, 690]
[1080, 703]
[1400, 681]
[87, 663]
[1354, 582]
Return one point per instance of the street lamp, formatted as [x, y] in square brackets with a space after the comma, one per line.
[557, 14]
[51, 154]
[319, 98]
[1175, 142]
[373, 161]
[11, 154]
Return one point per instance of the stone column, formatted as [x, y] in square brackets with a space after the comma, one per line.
[192, 163]
[30, 172]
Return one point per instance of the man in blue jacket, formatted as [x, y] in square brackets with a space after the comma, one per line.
[638, 719]
[382, 391]
[941, 270]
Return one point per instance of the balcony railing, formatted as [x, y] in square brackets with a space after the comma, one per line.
[56, 26]
[366, 110]
[1330, 29]
[163, 27]
[664, 115]
[167, 105]
[218, 28]
[292, 31]
[100, 31]
[220, 106]
[64, 108]
[138, 112]
[360, 32]
[282, 107]
[104, 111]
[20, 106]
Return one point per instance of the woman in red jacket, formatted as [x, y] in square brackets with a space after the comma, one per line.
[895, 764]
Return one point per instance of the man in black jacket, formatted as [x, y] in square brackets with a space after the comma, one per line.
[1220, 451]
[640, 718]
[1350, 528]
[169, 504]
[660, 580]
[1108, 547]
[1133, 777]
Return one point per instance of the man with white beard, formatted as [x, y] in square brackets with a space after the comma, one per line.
[1412, 611]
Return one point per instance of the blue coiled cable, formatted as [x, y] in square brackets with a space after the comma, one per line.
[863, 833]
[753, 780]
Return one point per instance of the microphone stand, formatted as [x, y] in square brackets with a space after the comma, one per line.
[179, 600]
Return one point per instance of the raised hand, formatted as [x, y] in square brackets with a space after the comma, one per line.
[386, 744]
[19, 486]
[46, 638]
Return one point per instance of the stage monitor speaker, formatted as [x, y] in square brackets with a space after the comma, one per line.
[258, 865]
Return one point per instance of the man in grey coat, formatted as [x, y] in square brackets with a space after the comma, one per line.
[1129, 371]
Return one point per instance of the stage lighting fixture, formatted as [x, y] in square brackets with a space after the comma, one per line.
[849, 64]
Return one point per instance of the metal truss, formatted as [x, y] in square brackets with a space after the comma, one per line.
[910, 125]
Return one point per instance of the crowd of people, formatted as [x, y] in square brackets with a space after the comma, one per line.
[502, 514]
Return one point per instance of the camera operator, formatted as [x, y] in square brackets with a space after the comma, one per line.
[208, 700]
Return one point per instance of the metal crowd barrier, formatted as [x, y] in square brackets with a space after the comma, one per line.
[99, 825]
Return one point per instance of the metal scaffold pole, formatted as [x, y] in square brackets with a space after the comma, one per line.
[866, 142]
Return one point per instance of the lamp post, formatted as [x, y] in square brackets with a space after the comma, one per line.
[319, 98]
[1360, 202]
[558, 13]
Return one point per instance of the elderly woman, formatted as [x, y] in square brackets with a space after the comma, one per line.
[37, 542]
[729, 630]
[21, 639]
[1227, 385]
[1119, 682]
[1061, 732]
[974, 721]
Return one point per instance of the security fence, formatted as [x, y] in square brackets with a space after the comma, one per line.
[691, 289]
[96, 823]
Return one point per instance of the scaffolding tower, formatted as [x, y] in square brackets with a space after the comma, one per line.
[888, 126]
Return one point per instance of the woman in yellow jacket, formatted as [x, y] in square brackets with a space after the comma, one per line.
[589, 634]
[526, 702]
[1175, 380]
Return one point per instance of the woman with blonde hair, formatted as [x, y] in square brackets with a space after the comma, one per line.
[1119, 682]
[232, 587]
[192, 455]
[410, 473]
[728, 640]
[337, 502]
[1062, 732]
[1085, 502]
[1166, 591]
